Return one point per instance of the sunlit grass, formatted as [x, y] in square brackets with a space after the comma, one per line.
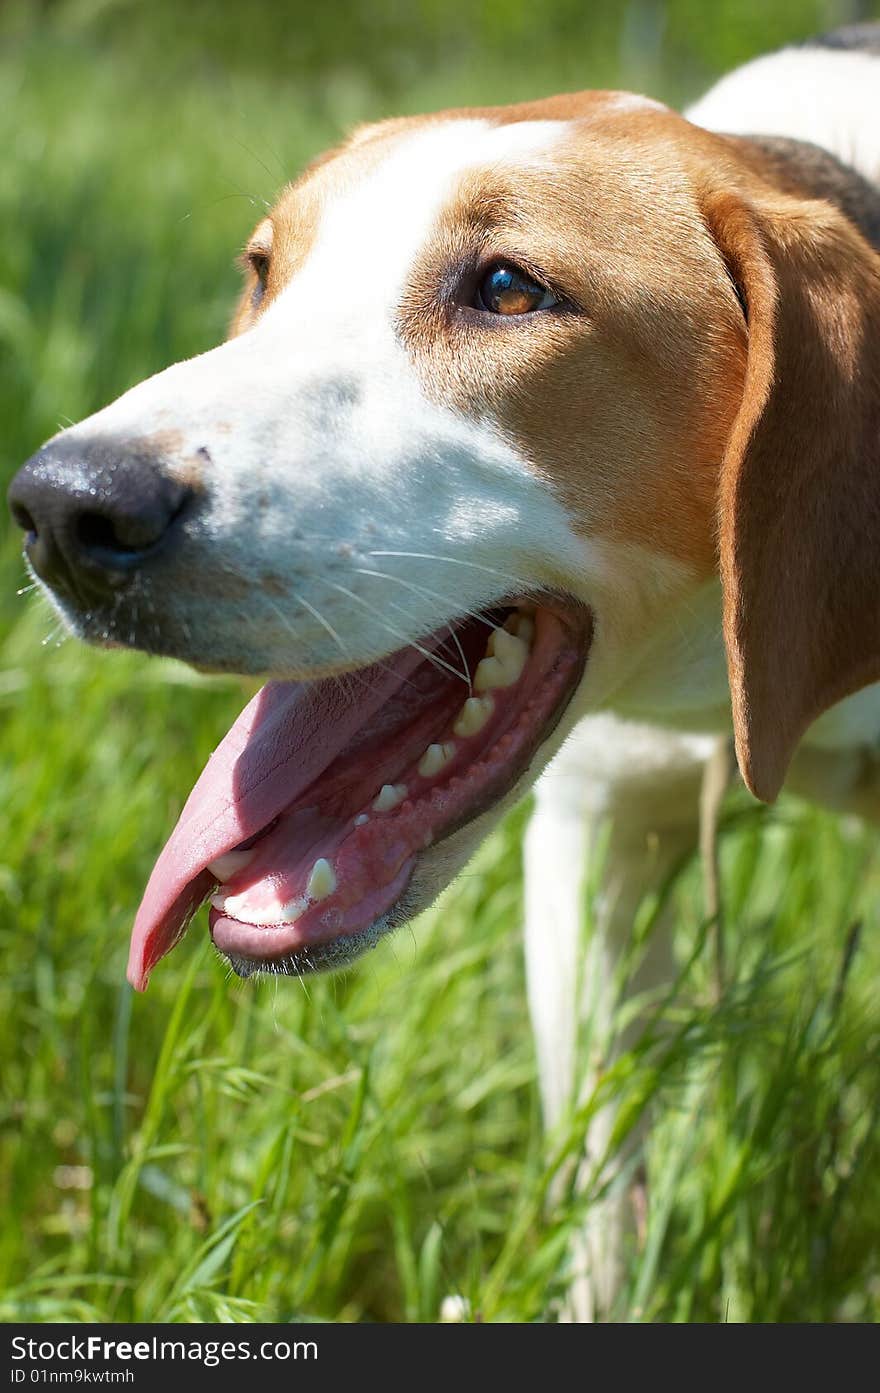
[358, 1147]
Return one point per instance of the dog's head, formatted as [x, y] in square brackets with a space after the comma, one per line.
[505, 393]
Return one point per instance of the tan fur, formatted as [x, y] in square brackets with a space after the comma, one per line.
[799, 497]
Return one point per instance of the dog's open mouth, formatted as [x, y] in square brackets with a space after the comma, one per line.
[305, 827]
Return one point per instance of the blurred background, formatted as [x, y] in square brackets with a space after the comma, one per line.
[362, 1147]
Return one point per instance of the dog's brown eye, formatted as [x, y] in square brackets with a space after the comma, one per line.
[506, 290]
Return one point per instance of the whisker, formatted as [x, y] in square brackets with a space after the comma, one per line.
[254, 199]
[279, 173]
[431, 594]
[316, 614]
[56, 636]
[441, 647]
[342, 679]
[455, 639]
[435, 595]
[431, 657]
[454, 561]
[223, 198]
[339, 678]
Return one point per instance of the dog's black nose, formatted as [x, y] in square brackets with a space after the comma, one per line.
[93, 512]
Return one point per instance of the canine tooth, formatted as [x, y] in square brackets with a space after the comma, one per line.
[388, 797]
[322, 881]
[225, 867]
[474, 714]
[361, 819]
[434, 758]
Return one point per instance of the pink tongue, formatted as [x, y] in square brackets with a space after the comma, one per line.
[282, 741]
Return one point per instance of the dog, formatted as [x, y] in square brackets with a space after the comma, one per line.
[547, 433]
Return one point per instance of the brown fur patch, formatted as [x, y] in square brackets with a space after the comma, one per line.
[799, 490]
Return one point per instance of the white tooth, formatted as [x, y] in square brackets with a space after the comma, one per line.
[225, 867]
[474, 714]
[492, 673]
[508, 649]
[388, 797]
[289, 912]
[361, 819]
[431, 762]
[237, 906]
[322, 881]
[503, 667]
[434, 758]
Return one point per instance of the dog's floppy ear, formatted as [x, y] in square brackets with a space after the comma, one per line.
[799, 504]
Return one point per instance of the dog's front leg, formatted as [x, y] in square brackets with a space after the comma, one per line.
[623, 800]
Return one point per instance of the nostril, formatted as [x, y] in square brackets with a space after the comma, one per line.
[125, 534]
[23, 519]
[97, 534]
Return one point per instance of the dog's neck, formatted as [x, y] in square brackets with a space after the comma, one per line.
[681, 683]
[681, 679]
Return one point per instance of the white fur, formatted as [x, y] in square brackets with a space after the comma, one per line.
[633, 101]
[828, 96]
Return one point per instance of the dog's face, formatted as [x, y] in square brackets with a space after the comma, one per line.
[455, 468]
[442, 324]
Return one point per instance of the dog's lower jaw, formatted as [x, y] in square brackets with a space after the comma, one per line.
[433, 872]
[426, 883]
[334, 956]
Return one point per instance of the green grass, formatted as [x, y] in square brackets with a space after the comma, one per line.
[357, 1147]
